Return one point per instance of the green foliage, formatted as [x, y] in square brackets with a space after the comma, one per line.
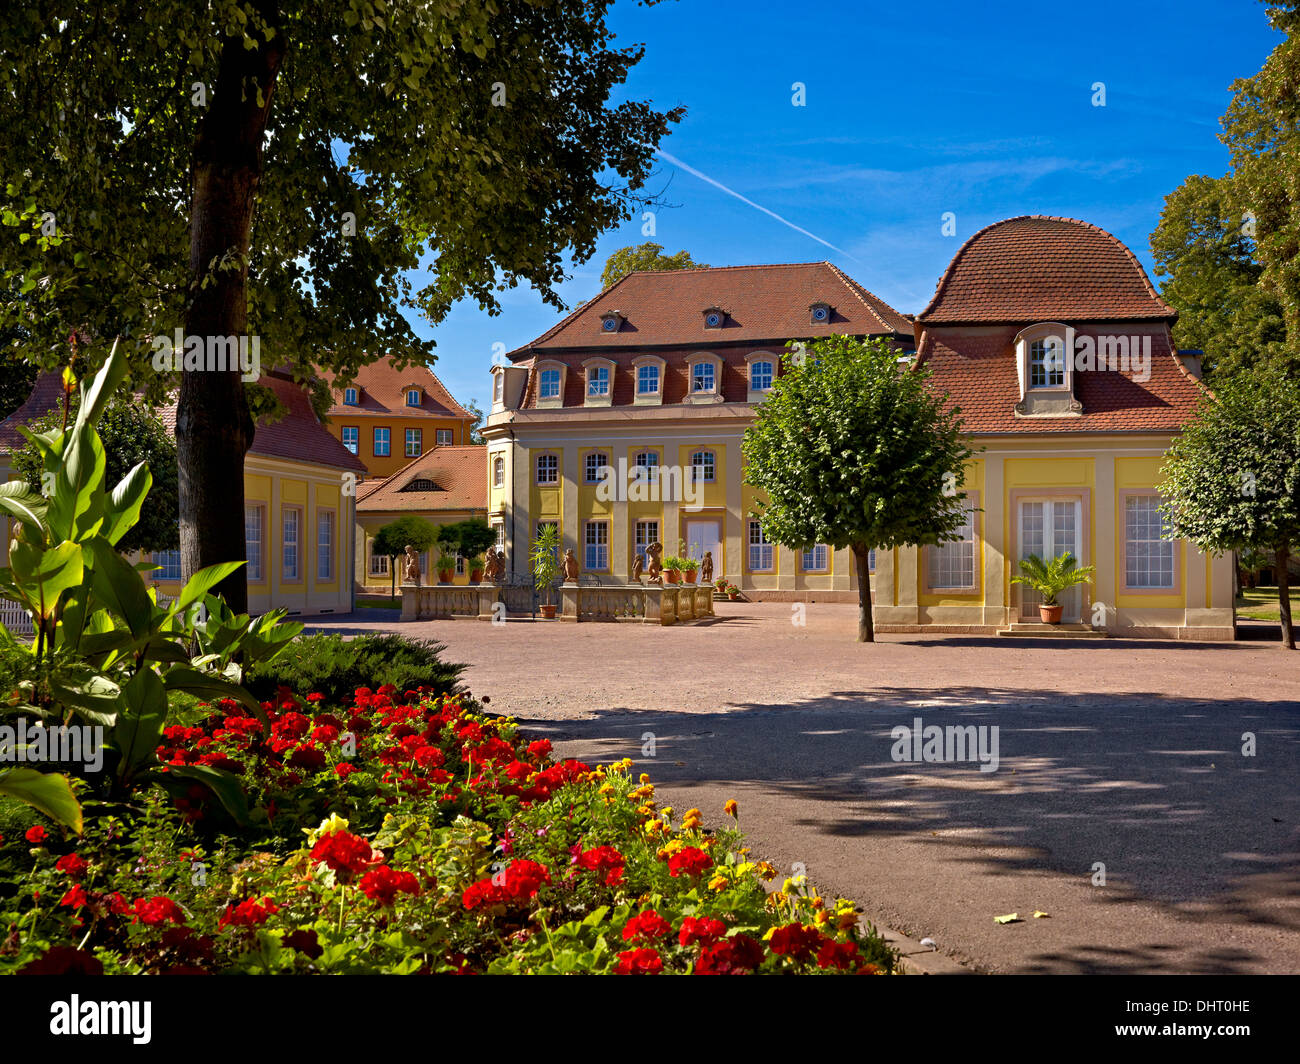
[132, 434]
[641, 257]
[852, 450]
[393, 538]
[545, 559]
[1204, 249]
[1050, 578]
[335, 667]
[17, 376]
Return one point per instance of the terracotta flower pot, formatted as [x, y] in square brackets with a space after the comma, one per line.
[548, 612]
[691, 574]
[674, 576]
[1051, 614]
[734, 598]
[445, 578]
[476, 576]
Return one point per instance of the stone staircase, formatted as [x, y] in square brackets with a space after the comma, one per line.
[1053, 631]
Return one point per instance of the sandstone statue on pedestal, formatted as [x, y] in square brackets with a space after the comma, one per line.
[706, 568]
[637, 566]
[656, 553]
[570, 567]
[412, 572]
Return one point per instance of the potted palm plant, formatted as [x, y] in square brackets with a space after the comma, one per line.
[1050, 579]
[545, 558]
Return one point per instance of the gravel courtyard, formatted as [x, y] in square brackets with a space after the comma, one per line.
[1126, 754]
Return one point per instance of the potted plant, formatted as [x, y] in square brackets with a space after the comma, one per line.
[476, 569]
[721, 584]
[673, 569]
[446, 567]
[691, 568]
[1050, 579]
[733, 592]
[546, 565]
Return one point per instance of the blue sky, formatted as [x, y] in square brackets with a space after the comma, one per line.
[912, 110]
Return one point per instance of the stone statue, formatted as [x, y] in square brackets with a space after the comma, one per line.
[494, 566]
[637, 565]
[656, 552]
[570, 567]
[706, 568]
[412, 573]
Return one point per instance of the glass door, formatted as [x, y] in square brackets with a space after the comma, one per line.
[1049, 527]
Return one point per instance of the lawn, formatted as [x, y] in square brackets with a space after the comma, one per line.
[1259, 604]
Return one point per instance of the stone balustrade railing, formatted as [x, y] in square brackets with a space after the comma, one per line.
[644, 603]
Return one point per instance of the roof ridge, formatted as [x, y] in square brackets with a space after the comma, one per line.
[859, 291]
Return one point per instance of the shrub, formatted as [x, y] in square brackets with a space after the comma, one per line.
[334, 667]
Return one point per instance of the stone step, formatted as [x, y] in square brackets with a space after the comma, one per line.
[1054, 631]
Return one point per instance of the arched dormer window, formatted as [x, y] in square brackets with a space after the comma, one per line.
[599, 388]
[648, 373]
[703, 378]
[550, 383]
[349, 397]
[1045, 371]
[760, 372]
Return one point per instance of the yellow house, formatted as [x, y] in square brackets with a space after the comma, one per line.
[386, 416]
[623, 423]
[445, 486]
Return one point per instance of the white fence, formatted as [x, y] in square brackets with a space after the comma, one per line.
[15, 618]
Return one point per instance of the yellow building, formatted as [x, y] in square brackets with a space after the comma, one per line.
[387, 416]
[445, 486]
[1046, 332]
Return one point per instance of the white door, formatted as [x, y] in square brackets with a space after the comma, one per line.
[704, 536]
[1050, 527]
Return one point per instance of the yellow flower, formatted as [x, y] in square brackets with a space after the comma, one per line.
[666, 812]
[718, 883]
[766, 871]
[732, 809]
[695, 813]
[822, 918]
[689, 823]
[645, 777]
[606, 788]
[328, 826]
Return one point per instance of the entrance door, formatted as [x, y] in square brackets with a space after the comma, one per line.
[704, 536]
[1049, 527]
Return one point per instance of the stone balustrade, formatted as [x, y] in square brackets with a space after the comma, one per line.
[642, 603]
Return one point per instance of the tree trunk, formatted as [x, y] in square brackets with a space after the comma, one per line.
[866, 625]
[1284, 595]
[213, 426]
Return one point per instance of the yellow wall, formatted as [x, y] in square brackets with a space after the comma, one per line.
[974, 482]
[397, 426]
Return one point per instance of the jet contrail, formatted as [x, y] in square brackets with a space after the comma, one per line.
[758, 207]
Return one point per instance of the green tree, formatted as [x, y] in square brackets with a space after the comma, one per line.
[641, 257]
[1262, 131]
[853, 451]
[393, 538]
[476, 426]
[473, 537]
[131, 434]
[367, 138]
[1232, 477]
[1204, 250]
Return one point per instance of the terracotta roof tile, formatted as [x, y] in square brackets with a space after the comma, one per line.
[46, 394]
[459, 475]
[1036, 268]
[383, 393]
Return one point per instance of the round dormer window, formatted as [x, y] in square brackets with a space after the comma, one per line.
[820, 313]
[713, 319]
[609, 324]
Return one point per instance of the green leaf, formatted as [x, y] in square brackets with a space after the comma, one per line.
[21, 503]
[123, 508]
[210, 687]
[226, 787]
[141, 723]
[202, 582]
[50, 792]
[119, 586]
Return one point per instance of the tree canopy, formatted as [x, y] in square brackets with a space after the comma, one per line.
[643, 257]
[853, 450]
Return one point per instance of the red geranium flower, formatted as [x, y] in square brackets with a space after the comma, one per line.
[646, 925]
[344, 770]
[842, 955]
[72, 864]
[157, 910]
[383, 884]
[689, 860]
[248, 913]
[342, 851]
[75, 898]
[705, 930]
[639, 962]
[539, 748]
[519, 881]
[795, 941]
[730, 956]
[606, 861]
[36, 835]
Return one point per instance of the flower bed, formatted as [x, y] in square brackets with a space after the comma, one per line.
[447, 842]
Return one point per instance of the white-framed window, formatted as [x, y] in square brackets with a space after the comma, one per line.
[290, 541]
[498, 472]
[704, 378]
[952, 563]
[1047, 363]
[645, 465]
[378, 562]
[598, 381]
[254, 539]
[595, 537]
[548, 469]
[500, 529]
[444, 437]
[1148, 544]
[414, 443]
[871, 560]
[412, 396]
[816, 560]
[169, 565]
[325, 545]
[647, 379]
[352, 438]
[498, 386]
[349, 397]
[460, 565]
[704, 467]
[548, 386]
[593, 464]
[760, 375]
[761, 552]
[383, 441]
[646, 532]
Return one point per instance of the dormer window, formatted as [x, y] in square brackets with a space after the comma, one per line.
[820, 313]
[549, 385]
[704, 379]
[648, 371]
[597, 382]
[349, 397]
[1047, 363]
[611, 322]
[1045, 372]
[412, 396]
[714, 317]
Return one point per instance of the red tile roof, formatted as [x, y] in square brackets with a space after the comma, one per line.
[978, 374]
[765, 304]
[383, 393]
[1036, 268]
[46, 394]
[459, 475]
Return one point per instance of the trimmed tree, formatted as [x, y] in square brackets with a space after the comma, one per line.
[853, 450]
[1232, 477]
[480, 143]
[393, 538]
[641, 257]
